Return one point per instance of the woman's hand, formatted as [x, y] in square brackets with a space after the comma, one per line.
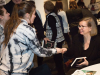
[64, 50]
[61, 50]
[85, 63]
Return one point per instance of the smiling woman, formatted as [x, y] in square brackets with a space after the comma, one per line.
[89, 25]
[85, 44]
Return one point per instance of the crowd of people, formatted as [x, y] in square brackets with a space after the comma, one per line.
[21, 33]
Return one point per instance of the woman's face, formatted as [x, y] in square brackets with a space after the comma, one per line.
[83, 28]
[33, 17]
[6, 15]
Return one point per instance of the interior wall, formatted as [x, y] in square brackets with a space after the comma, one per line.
[40, 8]
[40, 3]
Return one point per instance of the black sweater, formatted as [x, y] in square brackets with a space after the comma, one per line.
[92, 53]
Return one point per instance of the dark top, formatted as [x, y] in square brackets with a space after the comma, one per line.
[38, 26]
[37, 21]
[87, 13]
[92, 53]
[74, 18]
[52, 23]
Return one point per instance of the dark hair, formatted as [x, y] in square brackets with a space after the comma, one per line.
[81, 5]
[91, 1]
[49, 6]
[58, 6]
[19, 11]
[32, 3]
[1, 11]
[79, 1]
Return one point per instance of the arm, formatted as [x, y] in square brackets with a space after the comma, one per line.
[34, 45]
[52, 24]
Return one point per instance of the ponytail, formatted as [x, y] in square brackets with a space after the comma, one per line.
[11, 24]
[19, 11]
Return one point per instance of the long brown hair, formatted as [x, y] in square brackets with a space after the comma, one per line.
[19, 10]
[58, 6]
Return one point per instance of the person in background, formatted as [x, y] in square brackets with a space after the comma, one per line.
[9, 6]
[4, 17]
[21, 42]
[86, 12]
[85, 44]
[73, 18]
[54, 33]
[59, 10]
[94, 7]
[80, 1]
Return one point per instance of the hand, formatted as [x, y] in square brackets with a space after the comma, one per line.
[46, 39]
[64, 50]
[61, 50]
[85, 63]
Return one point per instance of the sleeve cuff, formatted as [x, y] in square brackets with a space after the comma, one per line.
[54, 51]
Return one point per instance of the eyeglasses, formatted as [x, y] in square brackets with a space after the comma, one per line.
[81, 26]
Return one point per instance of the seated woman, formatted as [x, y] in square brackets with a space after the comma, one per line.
[86, 43]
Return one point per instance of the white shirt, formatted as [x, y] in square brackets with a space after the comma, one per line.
[65, 21]
[96, 7]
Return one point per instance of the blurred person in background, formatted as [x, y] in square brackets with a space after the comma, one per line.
[59, 10]
[54, 33]
[94, 7]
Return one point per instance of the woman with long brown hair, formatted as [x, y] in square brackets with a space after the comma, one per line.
[21, 43]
